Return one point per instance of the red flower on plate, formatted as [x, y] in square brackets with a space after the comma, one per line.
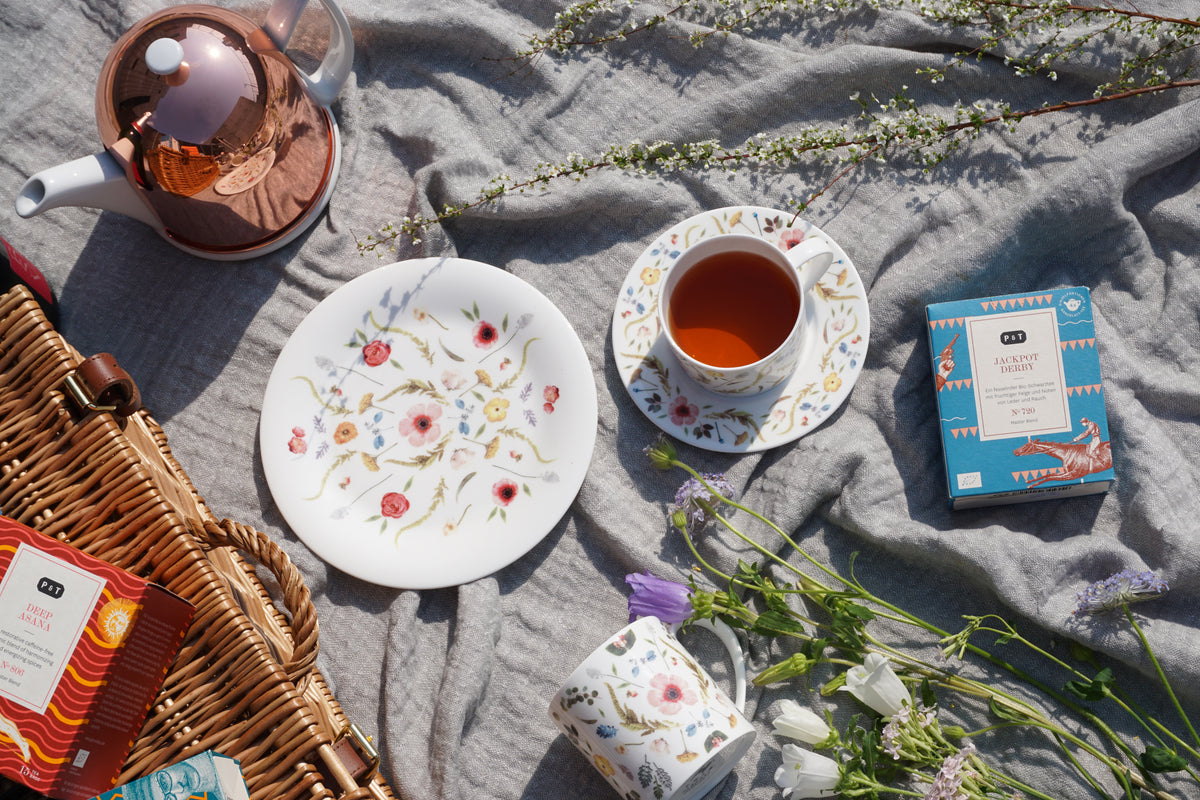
[376, 352]
[503, 492]
[393, 505]
[485, 334]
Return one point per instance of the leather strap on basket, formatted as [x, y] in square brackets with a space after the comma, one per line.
[100, 384]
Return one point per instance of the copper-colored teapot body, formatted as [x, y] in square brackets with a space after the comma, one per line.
[212, 135]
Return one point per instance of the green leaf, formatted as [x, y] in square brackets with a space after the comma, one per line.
[1004, 713]
[862, 612]
[1156, 759]
[774, 600]
[773, 623]
[928, 698]
[1094, 689]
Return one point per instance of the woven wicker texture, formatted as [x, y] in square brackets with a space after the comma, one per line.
[243, 682]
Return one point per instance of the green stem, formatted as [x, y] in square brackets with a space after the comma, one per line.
[1158, 669]
[1151, 725]
[1037, 719]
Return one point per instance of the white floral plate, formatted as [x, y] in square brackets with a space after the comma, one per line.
[838, 326]
[428, 423]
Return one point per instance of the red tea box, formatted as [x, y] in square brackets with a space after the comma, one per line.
[1020, 398]
[84, 649]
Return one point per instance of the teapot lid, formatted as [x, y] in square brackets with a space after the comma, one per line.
[227, 147]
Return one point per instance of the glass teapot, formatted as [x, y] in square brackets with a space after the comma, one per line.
[212, 136]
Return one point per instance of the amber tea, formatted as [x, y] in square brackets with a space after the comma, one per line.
[733, 308]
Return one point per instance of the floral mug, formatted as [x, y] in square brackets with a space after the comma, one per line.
[649, 718]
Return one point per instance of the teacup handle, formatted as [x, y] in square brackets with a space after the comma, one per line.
[811, 258]
[734, 647]
[334, 71]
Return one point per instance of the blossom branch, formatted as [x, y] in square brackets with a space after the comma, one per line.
[906, 127]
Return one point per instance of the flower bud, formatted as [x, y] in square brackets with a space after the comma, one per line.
[662, 454]
[793, 666]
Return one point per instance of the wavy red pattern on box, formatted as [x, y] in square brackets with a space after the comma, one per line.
[76, 693]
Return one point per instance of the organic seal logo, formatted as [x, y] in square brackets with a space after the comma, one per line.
[1072, 304]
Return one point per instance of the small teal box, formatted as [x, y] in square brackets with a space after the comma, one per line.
[1020, 398]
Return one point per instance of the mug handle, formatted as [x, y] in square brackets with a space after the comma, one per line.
[730, 640]
[329, 78]
[811, 258]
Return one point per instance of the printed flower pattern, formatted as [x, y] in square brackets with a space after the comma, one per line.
[376, 352]
[836, 348]
[420, 425]
[670, 693]
[648, 711]
[425, 423]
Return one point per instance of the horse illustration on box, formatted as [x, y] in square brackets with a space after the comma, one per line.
[1078, 458]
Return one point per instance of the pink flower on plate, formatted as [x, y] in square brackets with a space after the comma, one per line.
[790, 238]
[682, 412]
[670, 693]
[420, 426]
[298, 446]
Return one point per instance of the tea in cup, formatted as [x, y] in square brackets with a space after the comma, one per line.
[649, 718]
[732, 310]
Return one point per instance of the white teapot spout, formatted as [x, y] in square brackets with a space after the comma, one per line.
[96, 181]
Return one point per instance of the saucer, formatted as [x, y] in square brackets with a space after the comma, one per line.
[428, 423]
[837, 331]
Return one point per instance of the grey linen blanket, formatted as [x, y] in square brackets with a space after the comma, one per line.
[454, 683]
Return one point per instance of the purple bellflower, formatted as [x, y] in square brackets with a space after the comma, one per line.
[656, 597]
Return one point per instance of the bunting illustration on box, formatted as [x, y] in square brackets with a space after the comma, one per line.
[1020, 397]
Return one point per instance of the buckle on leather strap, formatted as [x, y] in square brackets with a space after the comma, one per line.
[99, 384]
[354, 749]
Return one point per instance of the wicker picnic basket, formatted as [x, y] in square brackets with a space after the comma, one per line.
[85, 464]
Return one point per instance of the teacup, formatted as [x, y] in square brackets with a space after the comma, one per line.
[649, 718]
[732, 309]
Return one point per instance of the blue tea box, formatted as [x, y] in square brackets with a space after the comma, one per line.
[1019, 398]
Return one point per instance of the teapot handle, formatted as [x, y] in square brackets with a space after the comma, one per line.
[327, 81]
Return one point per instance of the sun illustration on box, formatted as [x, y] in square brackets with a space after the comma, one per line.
[116, 618]
[415, 392]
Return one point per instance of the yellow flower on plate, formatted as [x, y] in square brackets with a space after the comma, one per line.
[833, 382]
[650, 275]
[604, 765]
[496, 409]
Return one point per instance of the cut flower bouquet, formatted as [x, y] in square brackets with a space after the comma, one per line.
[897, 744]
